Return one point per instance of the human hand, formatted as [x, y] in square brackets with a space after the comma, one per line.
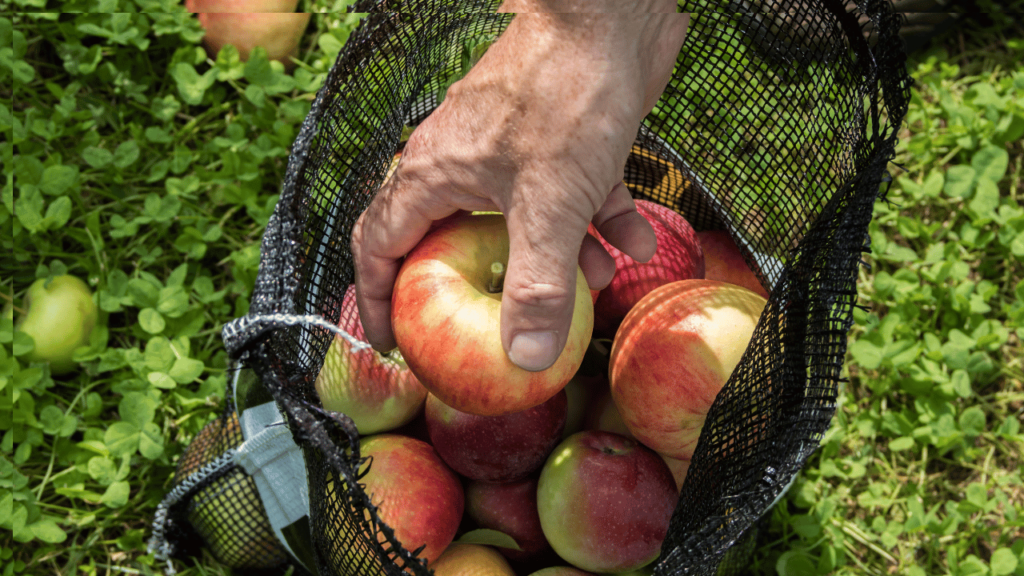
[539, 130]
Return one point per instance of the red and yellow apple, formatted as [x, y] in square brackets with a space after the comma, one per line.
[605, 502]
[471, 560]
[510, 508]
[673, 353]
[496, 448]
[416, 494]
[446, 315]
[678, 467]
[723, 261]
[377, 391]
[678, 257]
[246, 24]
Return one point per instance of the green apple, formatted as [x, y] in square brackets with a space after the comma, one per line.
[231, 519]
[59, 317]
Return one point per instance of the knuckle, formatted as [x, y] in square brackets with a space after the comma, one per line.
[539, 296]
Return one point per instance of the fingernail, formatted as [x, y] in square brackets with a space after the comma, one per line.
[533, 351]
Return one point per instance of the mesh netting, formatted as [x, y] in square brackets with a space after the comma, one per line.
[777, 126]
[215, 504]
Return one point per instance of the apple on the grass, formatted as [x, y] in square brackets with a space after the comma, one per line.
[496, 448]
[377, 391]
[605, 502]
[471, 560]
[673, 354]
[246, 24]
[416, 494]
[446, 318]
[723, 261]
[510, 508]
[59, 316]
[678, 257]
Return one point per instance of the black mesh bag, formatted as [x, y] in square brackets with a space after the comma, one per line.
[777, 126]
[223, 484]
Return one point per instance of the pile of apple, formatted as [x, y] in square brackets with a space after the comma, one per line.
[576, 469]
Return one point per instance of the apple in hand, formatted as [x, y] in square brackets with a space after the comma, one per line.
[678, 257]
[605, 502]
[377, 391]
[59, 317]
[246, 24]
[511, 508]
[496, 448]
[471, 560]
[672, 355]
[723, 261]
[417, 495]
[446, 318]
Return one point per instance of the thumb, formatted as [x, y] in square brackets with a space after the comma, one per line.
[539, 291]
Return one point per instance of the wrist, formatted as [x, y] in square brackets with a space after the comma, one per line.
[642, 39]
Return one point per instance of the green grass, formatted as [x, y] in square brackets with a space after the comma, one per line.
[138, 164]
[150, 171]
[921, 470]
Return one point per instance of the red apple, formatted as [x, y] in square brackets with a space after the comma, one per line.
[723, 261]
[496, 448]
[471, 560]
[246, 24]
[672, 355]
[678, 257]
[378, 392]
[417, 495]
[605, 502]
[510, 507]
[446, 312]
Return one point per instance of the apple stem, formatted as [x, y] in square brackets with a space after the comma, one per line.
[497, 278]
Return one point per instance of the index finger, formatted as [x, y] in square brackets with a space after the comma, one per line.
[401, 214]
[384, 233]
